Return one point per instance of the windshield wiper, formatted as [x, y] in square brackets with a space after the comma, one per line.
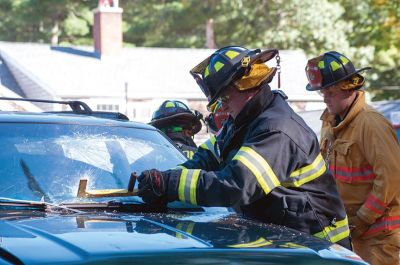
[133, 207]
[37, 205]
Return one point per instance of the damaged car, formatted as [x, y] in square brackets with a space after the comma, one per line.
[68, 196]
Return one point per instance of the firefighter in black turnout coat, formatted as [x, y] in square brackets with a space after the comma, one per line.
[264, 162]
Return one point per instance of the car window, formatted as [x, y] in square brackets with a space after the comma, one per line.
[46, 161]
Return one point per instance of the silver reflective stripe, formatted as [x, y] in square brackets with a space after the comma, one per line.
[307, 173]
[259, 167]
[187, 185]
[335, 233]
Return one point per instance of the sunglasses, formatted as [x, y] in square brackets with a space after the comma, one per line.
[223, 99]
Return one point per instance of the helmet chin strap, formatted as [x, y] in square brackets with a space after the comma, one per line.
[278, 68]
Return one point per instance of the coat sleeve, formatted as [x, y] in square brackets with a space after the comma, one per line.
[205, 157]
[382, 151]
[259, 166]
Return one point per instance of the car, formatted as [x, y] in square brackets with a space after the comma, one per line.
[68, 196]
[391, 110]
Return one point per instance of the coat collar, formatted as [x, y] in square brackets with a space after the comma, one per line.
[357, 106]
[179, 137]
[255, 105]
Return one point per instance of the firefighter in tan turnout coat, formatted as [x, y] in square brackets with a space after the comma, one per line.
[363, 153]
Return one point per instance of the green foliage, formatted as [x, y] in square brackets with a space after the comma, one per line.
[368, 31]
[40, 20]
[376, 26]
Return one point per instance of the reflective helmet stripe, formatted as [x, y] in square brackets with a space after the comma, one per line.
[206, 72]
[344, 59]
[169, 104]
[218, 66]
[232, 54]
[335, 65]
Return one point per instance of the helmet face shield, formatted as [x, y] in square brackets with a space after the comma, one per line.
[313, 73]
[200, 82]
[197, 73]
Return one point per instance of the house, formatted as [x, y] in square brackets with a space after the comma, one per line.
[9, 88]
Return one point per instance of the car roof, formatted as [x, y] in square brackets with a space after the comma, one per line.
[67, 118]
[80, 113]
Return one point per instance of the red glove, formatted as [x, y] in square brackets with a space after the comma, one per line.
[152, 187]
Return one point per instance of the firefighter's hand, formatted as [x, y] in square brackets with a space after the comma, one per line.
[152, 187]
[357, 226]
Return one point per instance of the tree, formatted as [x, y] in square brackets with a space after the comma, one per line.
[368, 31]
[46, 20]
[376, 26]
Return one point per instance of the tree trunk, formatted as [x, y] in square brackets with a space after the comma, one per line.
[54, 34]
[210, 40]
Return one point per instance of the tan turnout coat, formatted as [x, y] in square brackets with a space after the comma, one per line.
[364, 155]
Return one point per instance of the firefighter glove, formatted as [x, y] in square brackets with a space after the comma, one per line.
[152, 187]
[357, 226]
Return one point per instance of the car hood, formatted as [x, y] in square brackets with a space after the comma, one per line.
[113, 238]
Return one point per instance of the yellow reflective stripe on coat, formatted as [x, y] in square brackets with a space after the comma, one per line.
[185, 227]
[307, 173]
[188, 153]
[259, 167]
[209, 145]
[336, 232]
[255, 244]
[187, 185]
[292, 245]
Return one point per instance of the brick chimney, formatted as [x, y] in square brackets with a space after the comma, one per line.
[107, 27]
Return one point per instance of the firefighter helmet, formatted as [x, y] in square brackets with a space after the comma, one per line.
[176, 113]
[226, 65]
[331, 68]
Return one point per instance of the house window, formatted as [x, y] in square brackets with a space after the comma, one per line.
[108, 107]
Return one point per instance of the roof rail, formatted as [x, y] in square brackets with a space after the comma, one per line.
[99, 114]
[76, 106]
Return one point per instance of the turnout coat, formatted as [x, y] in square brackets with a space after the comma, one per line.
[267, 164]
[364, 155]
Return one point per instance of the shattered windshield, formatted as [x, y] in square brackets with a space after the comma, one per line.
[47, 161]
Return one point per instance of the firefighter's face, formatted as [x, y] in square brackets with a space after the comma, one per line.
[337, 100]
[234, 100]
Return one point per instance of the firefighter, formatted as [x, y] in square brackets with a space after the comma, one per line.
[265, 162]
[179, 123]
[362, 151]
